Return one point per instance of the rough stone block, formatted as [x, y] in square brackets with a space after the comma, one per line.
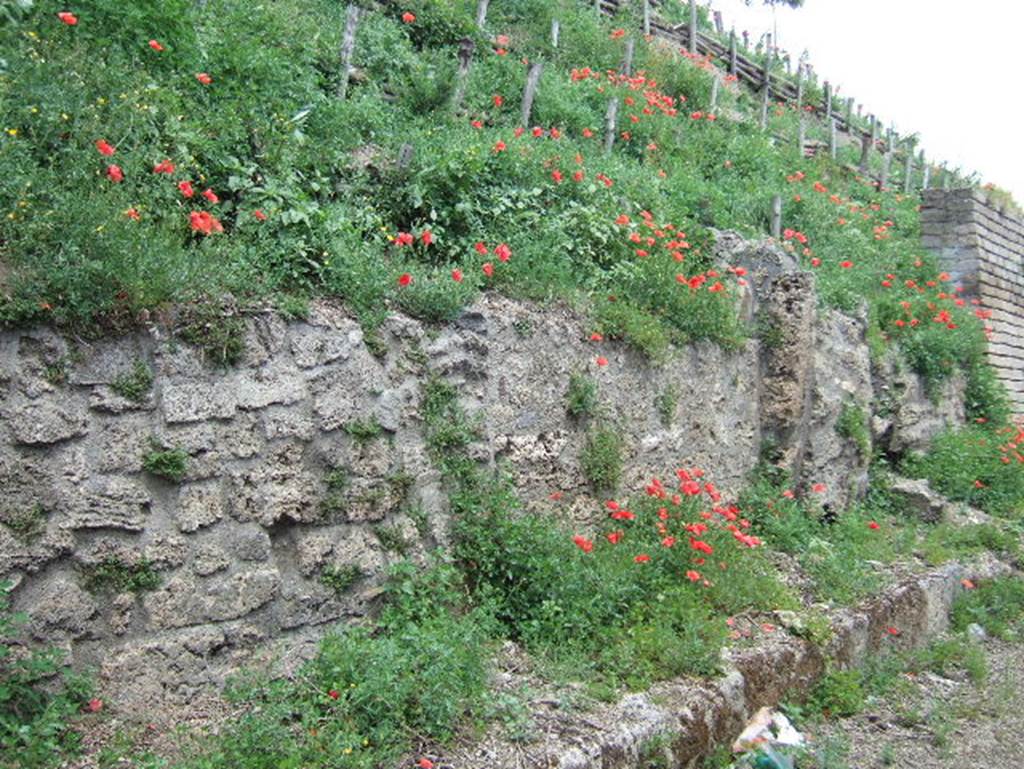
[191, 401]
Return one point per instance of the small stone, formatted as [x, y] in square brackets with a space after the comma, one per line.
[250, 544]
[976, 633]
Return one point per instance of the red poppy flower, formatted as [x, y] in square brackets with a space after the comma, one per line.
[596, 337]
[503, 252]
[425, 763]
[602, 361]
[488, 269]
[874, 525]
[68, 18]
[104, 148]
[164, 167]
[94, 705]
[204, 222]
[132, 214]
[186, 189]
[500, 146]
[333, 694]
[260, 215]
[556, 175]
[617, 33]
[587, 133]
[614, 537]
[502, 40]
[114, 173]
[583, 543]
[404, 239]
[204, 78]
[211, 195]
[579, 176]
[408, 17]
[481, 248]
[693, 576]
[457, 275]
[404, 279]
[846, 264]
[498, 100]
[642, 558]
[427, 237]
[967, 584]
[819, 488]
[892, 630]
[155, 46]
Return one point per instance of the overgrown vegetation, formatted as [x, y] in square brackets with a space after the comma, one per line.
[979, 465]
[853, 425]
[40, 699]
[226, 174]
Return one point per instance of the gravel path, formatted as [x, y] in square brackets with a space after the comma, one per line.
[933, 722]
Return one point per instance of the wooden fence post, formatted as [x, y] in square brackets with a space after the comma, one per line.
[692, 42]
[611, 117]
[849, 113]
[466, 46]
[766, 92]
[719, 24]
[647, 17]
[348, 47]
[801, 131]
[886, 162]
[927, 175]
[866, 143]
[733, 54]
[828, 100]
[776, 216]
[481, 13]
[532, 81]
[908, 167]
[556, 29]
[714, 93]
[833, 148]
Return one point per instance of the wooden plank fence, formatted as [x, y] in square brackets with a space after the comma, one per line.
[835, 114]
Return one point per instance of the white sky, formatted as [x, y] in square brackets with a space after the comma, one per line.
[944, 69]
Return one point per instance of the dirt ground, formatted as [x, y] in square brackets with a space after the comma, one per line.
[932, 721]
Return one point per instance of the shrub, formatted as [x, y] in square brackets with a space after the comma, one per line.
[601, 458]
[581, 398]
[39, 700]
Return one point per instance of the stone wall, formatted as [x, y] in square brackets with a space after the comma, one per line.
[165, 587]
[982, 247]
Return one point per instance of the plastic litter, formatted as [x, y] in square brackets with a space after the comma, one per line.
[766, 729]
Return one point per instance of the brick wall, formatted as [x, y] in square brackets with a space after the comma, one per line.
[982, 247]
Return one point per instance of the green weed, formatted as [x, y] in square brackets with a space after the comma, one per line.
[134, 385]
[170, 464]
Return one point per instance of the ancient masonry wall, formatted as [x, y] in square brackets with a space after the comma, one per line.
[982, 247]
[306, 470]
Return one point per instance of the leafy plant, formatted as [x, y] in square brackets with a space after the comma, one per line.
[39, 699]
[135, 384]
[340, 578]
[601, 458]
[115, 576]
[365, 430]
[581, 398]
[170, 464]
[852, 424]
